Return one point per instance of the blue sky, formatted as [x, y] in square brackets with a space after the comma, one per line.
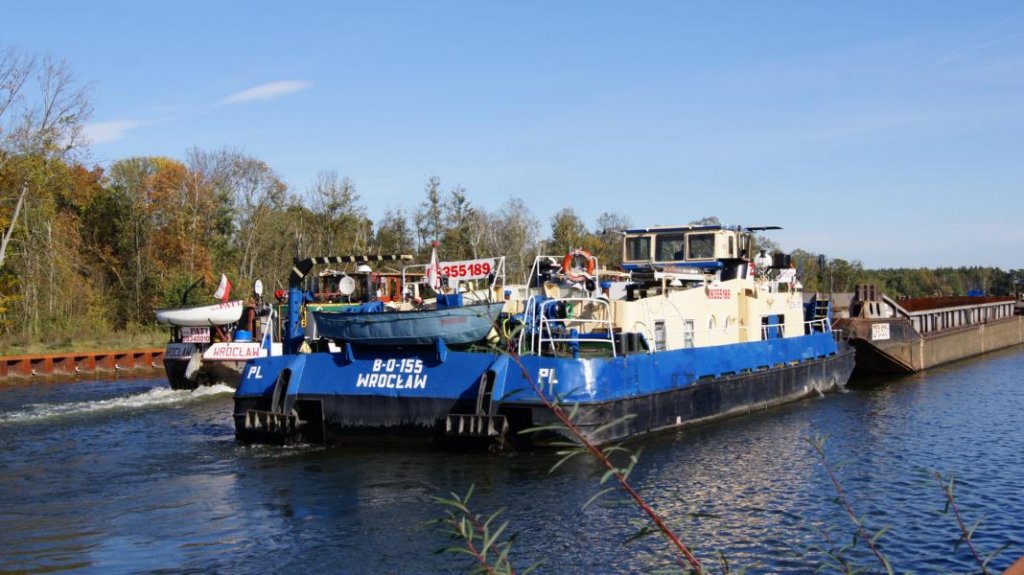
[886, 132]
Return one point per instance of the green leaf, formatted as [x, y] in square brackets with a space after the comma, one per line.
[460, 550]
[492, 517]
[881, 532]
[609, 474]
[643, 532]
[562, 443]
[489, 538]
[509, 394]
[594, 497]
[614, 448]
[998, 551]
[970, 532]
[565, 458]
[614, 422]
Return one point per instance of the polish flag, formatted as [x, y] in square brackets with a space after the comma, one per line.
[433, 275]
[223, 290]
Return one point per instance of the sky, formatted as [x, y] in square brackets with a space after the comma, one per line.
[890, 133]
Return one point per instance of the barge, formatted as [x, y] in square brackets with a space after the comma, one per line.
[895, 336]
[684, 334]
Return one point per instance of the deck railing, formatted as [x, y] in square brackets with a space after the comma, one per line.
[544, 331]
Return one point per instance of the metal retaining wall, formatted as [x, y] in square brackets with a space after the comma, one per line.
[80, 365]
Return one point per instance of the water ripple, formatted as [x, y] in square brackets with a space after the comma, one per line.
[131, 477]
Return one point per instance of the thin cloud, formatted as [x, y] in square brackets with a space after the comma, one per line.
[970, 49]
[1002, 24]
[268, 91]
[106, 132]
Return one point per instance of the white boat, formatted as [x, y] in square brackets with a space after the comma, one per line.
[209, 344]
[202, 315]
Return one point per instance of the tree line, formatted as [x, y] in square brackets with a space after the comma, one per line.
[87, 248]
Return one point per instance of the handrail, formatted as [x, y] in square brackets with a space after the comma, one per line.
[824, 327]
[542, 331]
[539, 328]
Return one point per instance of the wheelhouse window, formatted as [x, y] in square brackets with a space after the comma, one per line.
[700, 246]
[638, 249]
[669, 248]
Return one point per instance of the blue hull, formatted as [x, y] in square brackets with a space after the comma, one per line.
[368, 394]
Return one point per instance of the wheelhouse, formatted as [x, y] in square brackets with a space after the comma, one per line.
[684, 246]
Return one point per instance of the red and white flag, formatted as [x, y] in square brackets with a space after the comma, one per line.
[434, 269]
[223, 290]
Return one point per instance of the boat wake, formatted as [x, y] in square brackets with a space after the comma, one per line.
[158, 397]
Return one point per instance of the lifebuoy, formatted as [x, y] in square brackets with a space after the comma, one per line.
[576, 274]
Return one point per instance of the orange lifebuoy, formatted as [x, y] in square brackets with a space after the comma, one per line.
[577, 274]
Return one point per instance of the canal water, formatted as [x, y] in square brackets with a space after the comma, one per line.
[130, 477]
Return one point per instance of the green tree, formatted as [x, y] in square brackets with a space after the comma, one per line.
[515, 233]
[609, 239]
[429, 219]
[258, 194]
[460, 237]
[567, 232]
[211, 205]
[707, 221]
[393, 235]
[340, 221]
[843, 276]
[448, 218]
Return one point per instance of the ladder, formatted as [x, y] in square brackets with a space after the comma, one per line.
[822, 305]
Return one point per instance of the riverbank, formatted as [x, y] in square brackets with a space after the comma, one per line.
[97, 340]
[72, 356]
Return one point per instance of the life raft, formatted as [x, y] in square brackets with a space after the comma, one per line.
[575, 273]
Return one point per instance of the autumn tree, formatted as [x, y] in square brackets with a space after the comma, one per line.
[129, 216]
[41, 125]
[42, 114]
